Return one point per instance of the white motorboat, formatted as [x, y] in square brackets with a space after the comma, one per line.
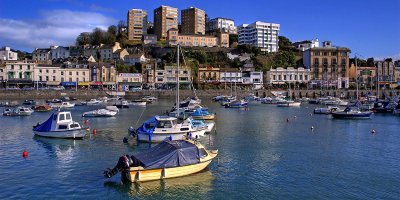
[60, 125]
[349, 113]
[289, 104]
[18, 111]
[67, 105]
[121, 104]
[160, 128]
[93, 102]
[201, 124]
[138, 102]
[326, 110]
[109, 111]
[149, 99]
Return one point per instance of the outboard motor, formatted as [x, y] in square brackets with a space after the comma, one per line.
[123, 163]
[132, 131]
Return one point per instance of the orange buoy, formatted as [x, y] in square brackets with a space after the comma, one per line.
[94, 131]
[25, 154]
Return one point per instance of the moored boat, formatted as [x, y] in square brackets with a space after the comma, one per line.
[42, 108]
[237, 104]
[384, 107]
[67, 105]
[18, 111]
[349, 113]
[168, 159]
[29, 102]
[92, 102]
[202, 114]
[138, 102]
[109, 111]
[122, 104]
[60, 125]
[326, 110]
[160, 128]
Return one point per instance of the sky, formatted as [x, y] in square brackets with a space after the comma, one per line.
[370, 28]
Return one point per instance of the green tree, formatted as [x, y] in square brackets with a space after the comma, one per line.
[284, 59]
[233, 38]
[370, 62]
[83, 38]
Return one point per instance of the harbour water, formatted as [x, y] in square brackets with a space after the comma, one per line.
[261, 156]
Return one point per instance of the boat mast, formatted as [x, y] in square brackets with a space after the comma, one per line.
[356, 76]
[177, 82]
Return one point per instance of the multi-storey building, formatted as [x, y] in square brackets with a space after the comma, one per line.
[174, 38]
[307, 44]
[366, 75]
[149, 71]
[59, 52]
[20, 73]
[74, 75]
[137, 24]
[7, 54]
[327, 63]
[259, 34]
[132, 59]
[42, 55]
[385, 72]
[91, 51]
[107, 51]
[103, 75]
[230, 75]
[149, 39]
[47, 75]
[130, 81]
[3, 74]
[280, 75]
[165, 18]
[254, 78]
[166, 78]
[220, 24]
[193, 21]
[207, 75]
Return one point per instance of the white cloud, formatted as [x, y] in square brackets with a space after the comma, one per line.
[55, 27]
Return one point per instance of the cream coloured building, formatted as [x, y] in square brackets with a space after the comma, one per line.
[289, 75]
[45, 74]
[174, 38]
[19, 72]
[72, 74]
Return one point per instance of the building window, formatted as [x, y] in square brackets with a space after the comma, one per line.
[77, 73]
[54, 78]
[47, 78]
[70, 73]
[62, 73]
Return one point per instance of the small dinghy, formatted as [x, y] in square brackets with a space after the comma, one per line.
[60, 125]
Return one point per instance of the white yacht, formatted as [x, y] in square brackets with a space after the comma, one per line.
[93, 102]
[67, 105]
[60, 125]
[160, 128]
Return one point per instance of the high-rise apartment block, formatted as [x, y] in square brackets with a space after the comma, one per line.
[193, 21]
[260, 34]
[137, 24]
[165, 18]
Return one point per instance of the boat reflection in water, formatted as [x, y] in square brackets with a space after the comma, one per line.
[62, 149]
[194, 186]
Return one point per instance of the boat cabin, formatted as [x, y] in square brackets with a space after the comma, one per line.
[64, 121]
[166, 122]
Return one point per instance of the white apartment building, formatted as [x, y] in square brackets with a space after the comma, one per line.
[230, 75]
[60, 52]
[7, 54]
[306, 44]
[168, 75]
[221, 24]
[253, 78]
[20, 70]
[289, 75]
[3, 73]
[260, 34]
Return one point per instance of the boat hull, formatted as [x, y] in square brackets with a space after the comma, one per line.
[159, 137]
[139, 103]
[352, 116]
[72, 134]
[204, 117]
[156, 174]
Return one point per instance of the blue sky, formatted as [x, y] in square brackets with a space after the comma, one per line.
[368, 27]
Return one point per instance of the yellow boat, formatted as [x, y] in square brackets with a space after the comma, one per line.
[168, 159]
[205, 117]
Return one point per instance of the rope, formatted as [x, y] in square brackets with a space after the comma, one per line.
[140, 116]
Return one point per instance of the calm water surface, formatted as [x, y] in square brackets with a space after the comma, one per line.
[261, 156]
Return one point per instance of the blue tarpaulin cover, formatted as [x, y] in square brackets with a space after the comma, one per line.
[45, 126]
[148, 127]
[200, 112]
[168, 154]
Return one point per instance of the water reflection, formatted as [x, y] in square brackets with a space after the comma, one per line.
[195, 184]
[62, 149]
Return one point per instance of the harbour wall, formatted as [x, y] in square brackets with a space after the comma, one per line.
[166, 94]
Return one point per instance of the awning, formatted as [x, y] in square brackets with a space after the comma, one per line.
[68, 83]
[83, 83]
[96, 83]
[131, 83]
[55, 83]
[109, 83]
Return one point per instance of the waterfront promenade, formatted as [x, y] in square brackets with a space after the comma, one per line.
[167, 94]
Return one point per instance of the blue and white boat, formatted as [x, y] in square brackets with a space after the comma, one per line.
[203, 114]
[384, 107]
[209, 125]
[160, 128]
[60, 125]
[237, 104]
[349, 113]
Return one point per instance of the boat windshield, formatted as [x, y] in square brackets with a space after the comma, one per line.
[68, 116]
[165, 124]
